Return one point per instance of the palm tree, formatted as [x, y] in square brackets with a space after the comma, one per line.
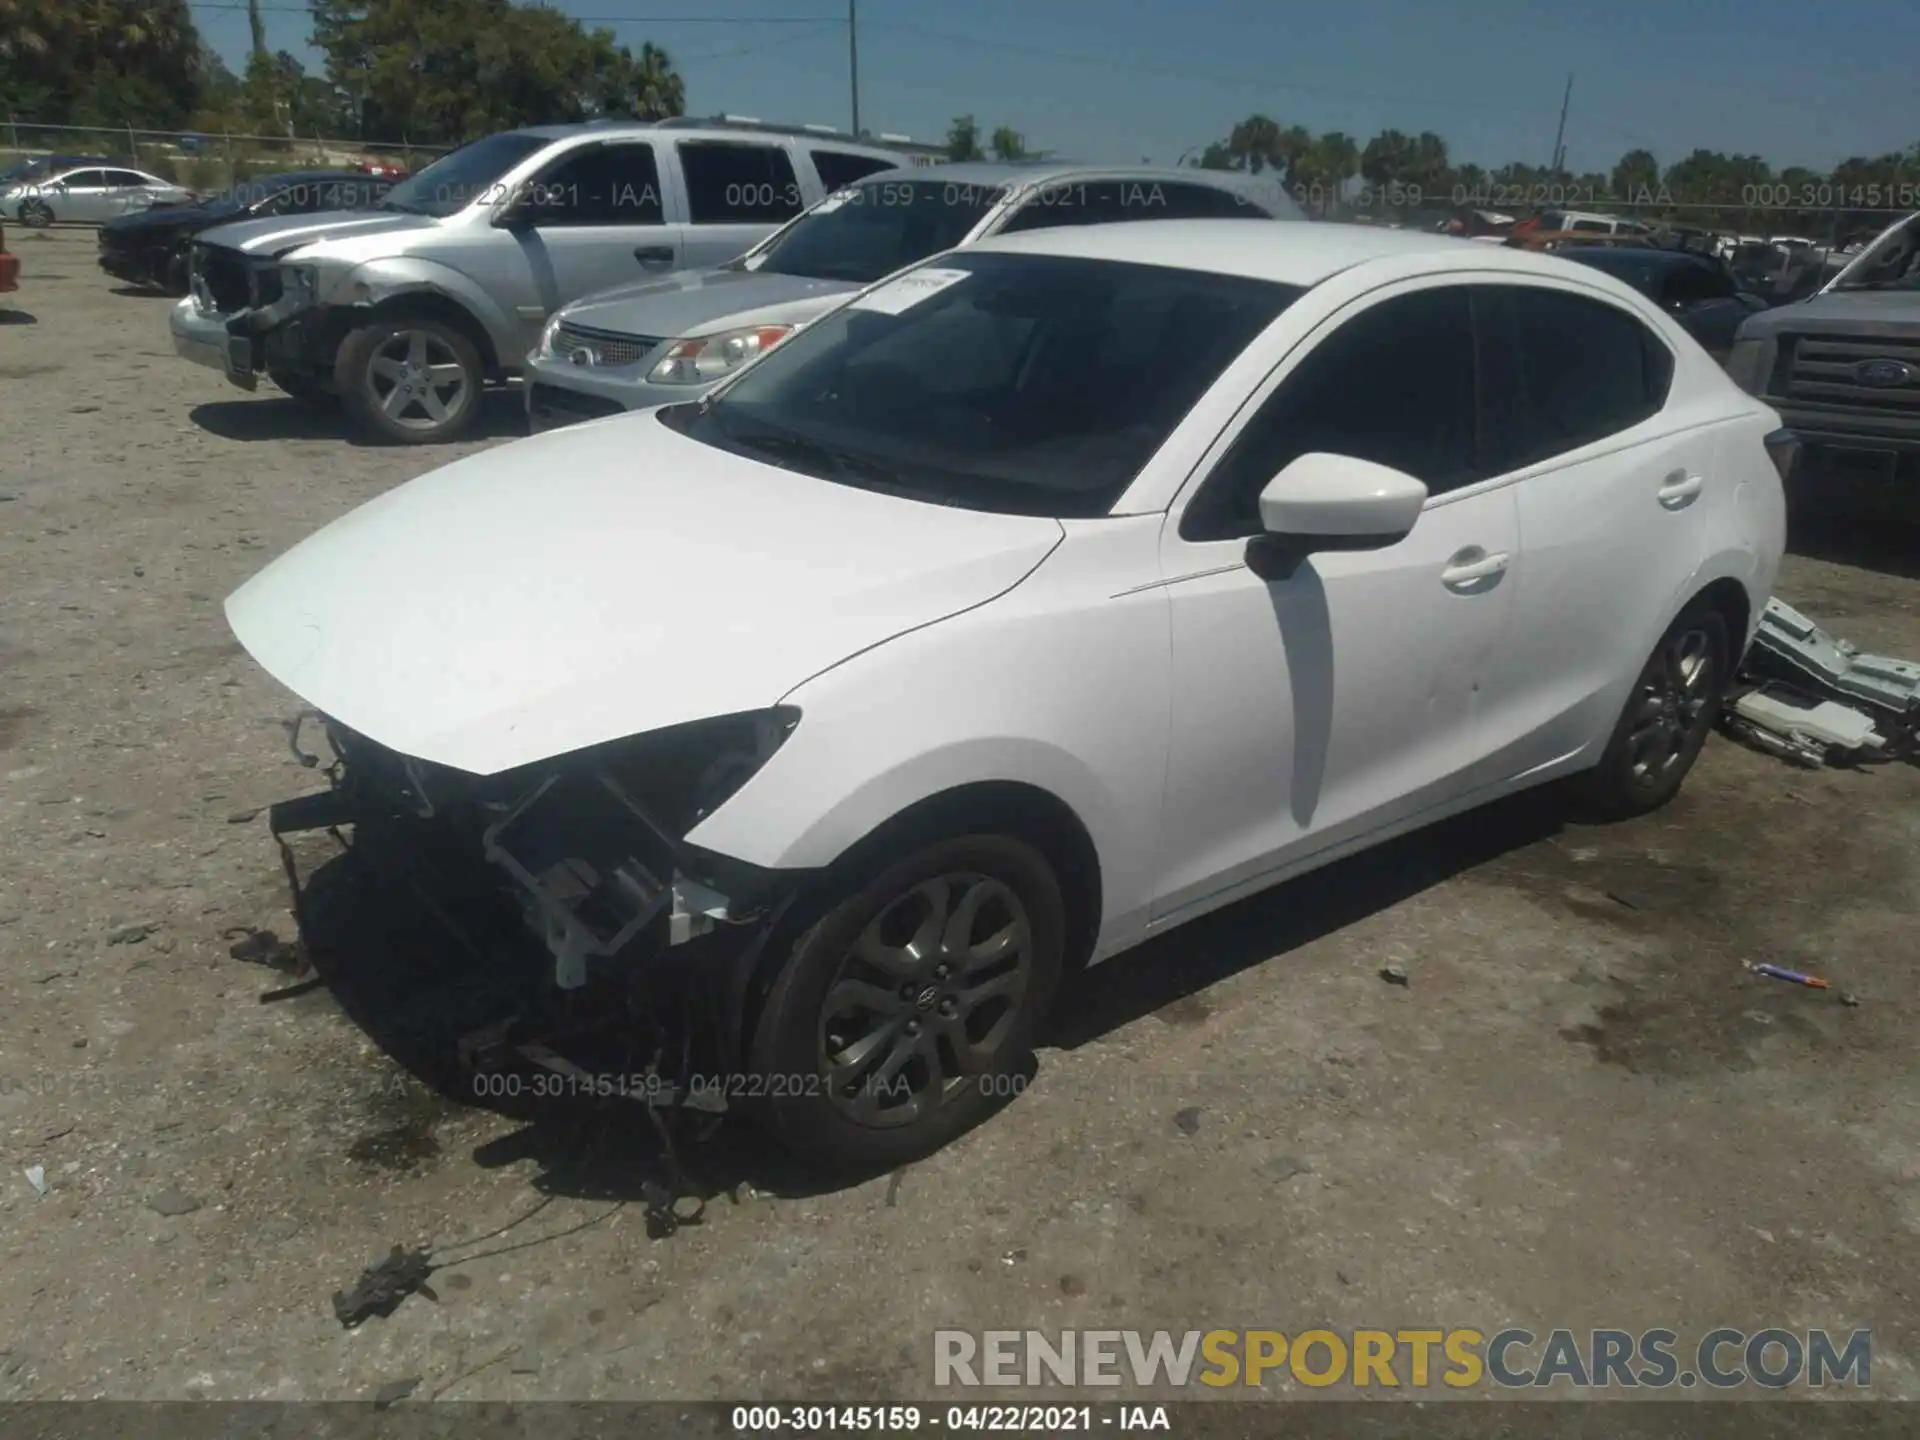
[659, 92]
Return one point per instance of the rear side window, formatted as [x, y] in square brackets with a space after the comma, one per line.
[1586, 371]
[1103, 202]
[1394, 384]
[839, 168]
[729, 183]
[1208, 202]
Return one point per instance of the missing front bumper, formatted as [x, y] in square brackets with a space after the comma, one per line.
[596, 877]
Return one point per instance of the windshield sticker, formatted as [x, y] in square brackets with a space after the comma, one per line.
[896, 297]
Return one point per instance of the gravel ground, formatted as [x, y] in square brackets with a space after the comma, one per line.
[1580, 1111]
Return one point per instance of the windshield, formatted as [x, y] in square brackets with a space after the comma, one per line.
[470, 173]
[871, 230]
[1893, 264]
[1021, 384]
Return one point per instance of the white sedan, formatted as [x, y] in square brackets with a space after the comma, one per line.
[90, 195]
[1045, 596]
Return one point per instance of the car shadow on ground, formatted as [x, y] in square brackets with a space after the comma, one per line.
[18, 317]
[1272, 923]
[143, 292]
[272, 416]
[396, 968]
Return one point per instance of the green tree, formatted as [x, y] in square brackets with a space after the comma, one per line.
[1635, 174]
[444, 71]
[99, 62]
[963, 139]
[1008, 144]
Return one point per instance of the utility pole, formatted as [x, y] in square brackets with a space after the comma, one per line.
[1560, 135]
[853, 60]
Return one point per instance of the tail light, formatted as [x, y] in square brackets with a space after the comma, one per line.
[1783, 448]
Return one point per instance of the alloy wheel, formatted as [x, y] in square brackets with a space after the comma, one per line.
[923, 1001]
[1671, 705]
[417, 381]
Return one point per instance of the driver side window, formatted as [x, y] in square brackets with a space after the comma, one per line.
[1393, 384]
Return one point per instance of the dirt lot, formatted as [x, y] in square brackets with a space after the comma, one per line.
[1580, 1112]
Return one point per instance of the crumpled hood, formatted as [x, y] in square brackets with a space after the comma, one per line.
[600, 581]
[278, 235]
[1840, 312]
[686, 304]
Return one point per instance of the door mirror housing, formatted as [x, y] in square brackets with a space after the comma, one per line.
[1323, 502]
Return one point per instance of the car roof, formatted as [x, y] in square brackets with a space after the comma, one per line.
[1631, 254]
[309, 177]
[569, 129]
[1299, 254]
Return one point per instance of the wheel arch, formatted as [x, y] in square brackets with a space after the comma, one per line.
[429, 303]
[1017, 808]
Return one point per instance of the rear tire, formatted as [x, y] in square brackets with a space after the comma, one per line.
[905, 1015]
[410, 380]
[1673, 707]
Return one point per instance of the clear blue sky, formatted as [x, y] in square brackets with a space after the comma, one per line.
[1118, 80]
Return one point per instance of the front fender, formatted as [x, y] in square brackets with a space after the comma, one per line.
[379, 281]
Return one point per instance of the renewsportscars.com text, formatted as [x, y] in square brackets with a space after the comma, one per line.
[1513, 1358]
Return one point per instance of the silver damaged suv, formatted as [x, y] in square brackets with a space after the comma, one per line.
[406, 312]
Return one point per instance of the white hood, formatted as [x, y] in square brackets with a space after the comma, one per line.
[601, 581]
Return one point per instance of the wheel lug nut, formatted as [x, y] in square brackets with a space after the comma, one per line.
[913, 1027]
[947, 1006]
[906, 992]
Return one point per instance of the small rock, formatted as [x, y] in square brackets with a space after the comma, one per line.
[81, 1043]
[1849, 999]
[1343, 1277]
[527, 1362]
[1013, 1257]
[1072, 1285]
[130, 934]
[1394, 975]
[1187, 1121]
[173, 1202]
[394, 1391]
[241, 817]
[1286, 1167]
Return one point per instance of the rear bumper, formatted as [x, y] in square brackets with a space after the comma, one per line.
[197, 336]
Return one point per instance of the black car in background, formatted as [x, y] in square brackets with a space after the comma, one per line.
[151, 247]
[1699, 291]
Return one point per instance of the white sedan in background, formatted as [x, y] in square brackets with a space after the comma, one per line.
[1042, 598]
[89, 195]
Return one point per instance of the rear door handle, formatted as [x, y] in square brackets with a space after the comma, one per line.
[1679, 489]
[654, 256]
[1462, 571]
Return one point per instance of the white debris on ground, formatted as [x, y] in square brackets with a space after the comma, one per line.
[1817, 700]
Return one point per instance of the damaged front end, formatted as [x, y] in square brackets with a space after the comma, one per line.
[268, 308]
[573, 875]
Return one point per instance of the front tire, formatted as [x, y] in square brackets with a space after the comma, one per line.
[905, 1015]
[36, 214]
[410, 380]
[1674, 705]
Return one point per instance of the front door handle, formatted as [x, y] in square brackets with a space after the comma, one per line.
[1680, 489]
[1470, 567]
[654, 256]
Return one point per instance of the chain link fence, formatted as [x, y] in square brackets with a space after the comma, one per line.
[206, 163]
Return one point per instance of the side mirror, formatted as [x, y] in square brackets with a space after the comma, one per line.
[1325, 502]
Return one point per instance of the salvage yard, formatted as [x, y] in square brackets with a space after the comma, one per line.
[1578, 1110]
